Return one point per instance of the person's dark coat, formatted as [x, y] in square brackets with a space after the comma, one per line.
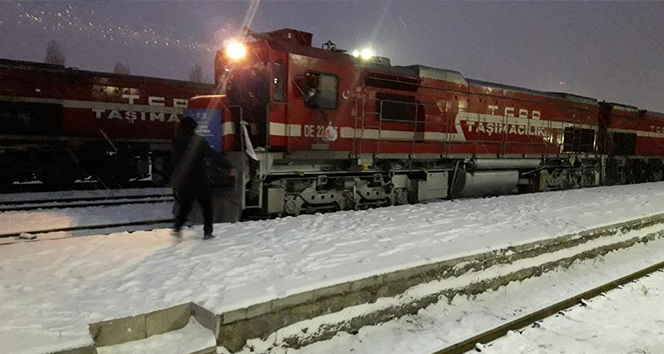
[191, 179]
[189, 159]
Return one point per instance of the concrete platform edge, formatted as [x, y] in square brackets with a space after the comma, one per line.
[260, 320]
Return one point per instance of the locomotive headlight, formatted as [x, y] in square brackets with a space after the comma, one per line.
[236, 51]
[356, 53]
[366, 54]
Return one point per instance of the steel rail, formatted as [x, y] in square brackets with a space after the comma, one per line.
[524, 321]
[85, 199]
[62, 204]
[78, 186]
[89, 227]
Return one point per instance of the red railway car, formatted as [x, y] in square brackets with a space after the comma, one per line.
[58, 124]
[328, 130]
[634, 147]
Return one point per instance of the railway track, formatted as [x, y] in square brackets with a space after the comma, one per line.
[65, 210]
[487, 337]
[83, 202]
[32, 236]
[38, 187]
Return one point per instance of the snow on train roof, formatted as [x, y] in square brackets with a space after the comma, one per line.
[624, 107]
[438, 74]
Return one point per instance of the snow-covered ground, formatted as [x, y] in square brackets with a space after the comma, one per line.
[624, 321]
[50, 291]
[192, 338]
[443, 324]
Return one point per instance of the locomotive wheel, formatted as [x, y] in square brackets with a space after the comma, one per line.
[116, 180]
[5, 182]
[161, 170]
[161, 178]
[111, 170]
[60, 175]
[402, 197]
[291, 206]
[352, 202]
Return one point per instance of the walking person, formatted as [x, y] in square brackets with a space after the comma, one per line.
[191, 179]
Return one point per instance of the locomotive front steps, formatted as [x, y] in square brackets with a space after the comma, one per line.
[301, 319]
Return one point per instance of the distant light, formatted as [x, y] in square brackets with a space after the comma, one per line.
[236, 51]
[356, 53]
[366, 54]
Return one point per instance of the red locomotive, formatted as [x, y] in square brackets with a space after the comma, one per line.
[328, 130]
[59, 124]
[323, 129]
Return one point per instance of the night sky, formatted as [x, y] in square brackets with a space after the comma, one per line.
[612, 51]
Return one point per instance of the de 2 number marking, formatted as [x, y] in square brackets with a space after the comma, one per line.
[317, 131]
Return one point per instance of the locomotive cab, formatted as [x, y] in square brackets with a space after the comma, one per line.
[270, 91]
[246, 83]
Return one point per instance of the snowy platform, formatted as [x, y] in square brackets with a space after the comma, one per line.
[52, 290]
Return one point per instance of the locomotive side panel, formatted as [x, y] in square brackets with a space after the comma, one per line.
[110, 126]
[651, 143]
[637, 133]
[633, 144]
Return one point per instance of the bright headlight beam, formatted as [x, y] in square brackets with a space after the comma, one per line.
[356, 53]
[236, 51]
[366, 54]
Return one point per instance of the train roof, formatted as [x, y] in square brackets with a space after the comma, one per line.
[559, 95]
[634, 109]
[429, 72]
[423, 71]
[300, 42]
[657, 115]
[623, 107]
[54, 68]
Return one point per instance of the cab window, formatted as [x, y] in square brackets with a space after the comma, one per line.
[321, 90]
[278, 82]
[578, 140]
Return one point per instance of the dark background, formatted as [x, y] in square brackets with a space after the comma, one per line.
[612, 51]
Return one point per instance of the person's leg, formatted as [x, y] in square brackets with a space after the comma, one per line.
[205, 200]
[185, 199]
